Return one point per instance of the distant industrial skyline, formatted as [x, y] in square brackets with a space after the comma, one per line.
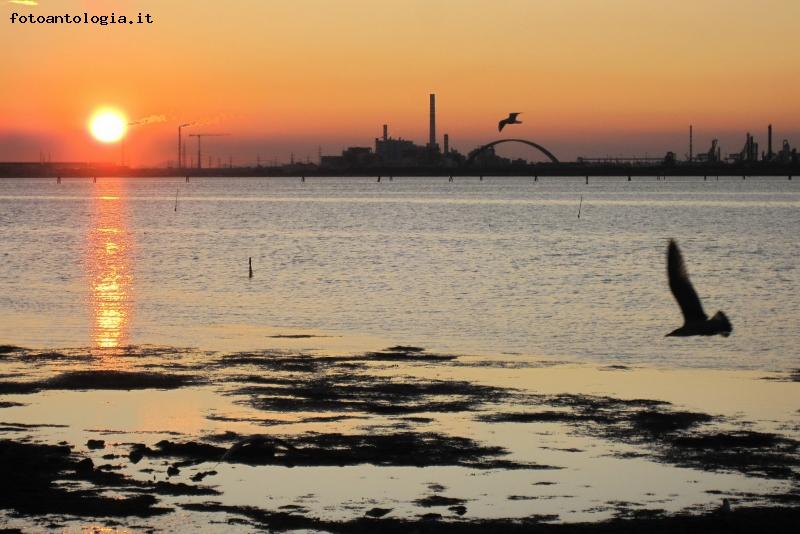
[254, 152]
[618, 77]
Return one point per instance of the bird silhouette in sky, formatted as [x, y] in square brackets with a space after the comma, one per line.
[512, 119]
[695, 320]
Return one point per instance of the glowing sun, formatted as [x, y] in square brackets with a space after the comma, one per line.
[108, 125]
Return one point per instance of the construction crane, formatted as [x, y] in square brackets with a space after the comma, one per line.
[199, 143]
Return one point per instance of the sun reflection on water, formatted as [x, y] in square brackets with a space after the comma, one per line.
[109, 267]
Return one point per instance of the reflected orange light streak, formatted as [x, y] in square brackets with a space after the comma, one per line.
[108, 260]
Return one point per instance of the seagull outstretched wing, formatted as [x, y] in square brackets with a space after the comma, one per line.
[511, 119]
[681, 287]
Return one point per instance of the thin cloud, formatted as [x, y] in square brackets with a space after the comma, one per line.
[152, 119]
[24, 2]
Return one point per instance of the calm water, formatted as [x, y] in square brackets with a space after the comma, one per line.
[492, 267]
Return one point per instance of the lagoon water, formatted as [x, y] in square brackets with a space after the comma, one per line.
[558, 324]
[501, 266]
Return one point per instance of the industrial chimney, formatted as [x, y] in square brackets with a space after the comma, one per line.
[385, 132]
[432, 141]
[446, 144]
[769, 143]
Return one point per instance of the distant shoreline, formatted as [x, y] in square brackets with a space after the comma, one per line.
[89, 170]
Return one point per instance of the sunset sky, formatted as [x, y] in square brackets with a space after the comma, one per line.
[592, 77]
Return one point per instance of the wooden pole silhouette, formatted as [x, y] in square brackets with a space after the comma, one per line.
[580, 205]
[250, 266]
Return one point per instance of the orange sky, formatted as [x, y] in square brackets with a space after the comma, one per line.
[591, 76]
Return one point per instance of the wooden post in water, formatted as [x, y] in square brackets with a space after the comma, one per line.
[629, 178]
[250, 266]
[379, 179]
[58, 180]
[587, 180]
[95, 179]
[176, 199]
[187, 179]
[580, 205]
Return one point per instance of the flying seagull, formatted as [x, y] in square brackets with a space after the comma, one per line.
[695, 320]
[512, 119]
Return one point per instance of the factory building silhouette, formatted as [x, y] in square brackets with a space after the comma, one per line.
[398, 152]
[749, 152]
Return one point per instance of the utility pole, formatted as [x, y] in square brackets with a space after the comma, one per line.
[181, 148]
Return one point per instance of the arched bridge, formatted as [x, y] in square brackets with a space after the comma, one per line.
[540, 148]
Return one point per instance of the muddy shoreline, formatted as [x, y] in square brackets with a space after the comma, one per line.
[30, 470]
[381, 409]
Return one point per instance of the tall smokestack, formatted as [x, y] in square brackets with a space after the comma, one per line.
[385, 132]
[446, 143]
[432, 141]
[769, 142]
